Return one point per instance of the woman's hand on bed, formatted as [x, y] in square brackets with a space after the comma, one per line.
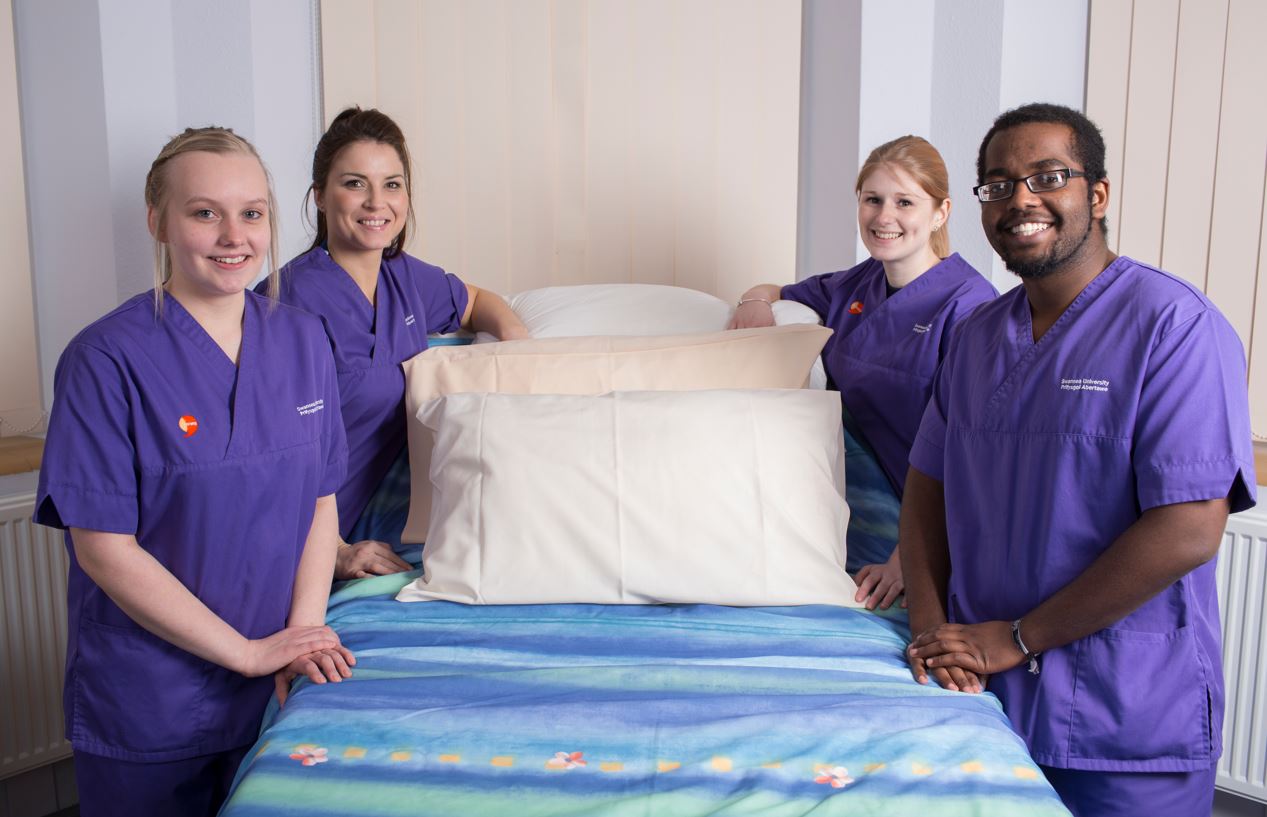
[332, 664]
[978, 649]
[264, 656]
[880, 585]
[368, 557]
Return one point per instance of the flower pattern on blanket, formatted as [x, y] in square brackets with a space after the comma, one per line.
[837, 776]
[565, 760]
[310, 755]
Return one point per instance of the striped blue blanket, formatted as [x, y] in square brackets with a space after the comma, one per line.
[630, 710]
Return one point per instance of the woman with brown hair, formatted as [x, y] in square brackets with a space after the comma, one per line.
[378, 305]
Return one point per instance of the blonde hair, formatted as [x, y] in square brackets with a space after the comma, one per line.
[924, 164]
[206, 140]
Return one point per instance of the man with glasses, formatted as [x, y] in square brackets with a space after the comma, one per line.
[1069, 486]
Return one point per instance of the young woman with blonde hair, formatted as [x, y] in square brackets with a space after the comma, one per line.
[192, 455]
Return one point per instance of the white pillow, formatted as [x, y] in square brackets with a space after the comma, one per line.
[770, 357]
[616, 309]
[721, 497]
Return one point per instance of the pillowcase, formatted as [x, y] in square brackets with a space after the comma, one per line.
[772, 357]
[787, 313]
[719, 497]
[618, 309]
[637, 309]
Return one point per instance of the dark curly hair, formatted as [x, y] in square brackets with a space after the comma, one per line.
[1088, 143]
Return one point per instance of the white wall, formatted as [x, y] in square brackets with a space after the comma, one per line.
[939, 70]
[103, 84]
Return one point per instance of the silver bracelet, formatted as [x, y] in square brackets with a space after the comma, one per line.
[1030, 656]
[743, 301]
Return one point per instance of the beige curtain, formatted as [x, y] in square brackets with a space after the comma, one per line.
[1177, 87]
[566, 141]
[20, 406]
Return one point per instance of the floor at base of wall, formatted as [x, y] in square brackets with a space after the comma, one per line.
[48, 790]
[1231, 805]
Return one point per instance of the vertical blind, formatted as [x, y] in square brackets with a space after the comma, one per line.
[567, 141]
[1177, 88]
[20, 407]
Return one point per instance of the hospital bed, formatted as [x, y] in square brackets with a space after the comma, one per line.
[616, 708]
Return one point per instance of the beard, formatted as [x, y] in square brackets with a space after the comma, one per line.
[1057, 255]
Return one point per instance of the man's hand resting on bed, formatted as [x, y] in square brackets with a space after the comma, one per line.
[369, 557]
[977, 650]
[333, 664]
[880, 585]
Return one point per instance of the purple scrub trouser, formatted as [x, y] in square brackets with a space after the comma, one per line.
[181, 788]
[1134, 794]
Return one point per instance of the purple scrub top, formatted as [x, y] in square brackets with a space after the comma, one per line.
[1135, 398]
[216, 469]
[885, 348]
[414, 300]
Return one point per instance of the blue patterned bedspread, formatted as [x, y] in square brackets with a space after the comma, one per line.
[630, 710]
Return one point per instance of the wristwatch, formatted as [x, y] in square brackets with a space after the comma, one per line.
[1030, 655]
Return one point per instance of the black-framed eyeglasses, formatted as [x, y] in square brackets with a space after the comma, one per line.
[1043, 182]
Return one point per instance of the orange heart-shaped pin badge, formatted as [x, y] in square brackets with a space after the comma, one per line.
[188, 424]
[855, 308]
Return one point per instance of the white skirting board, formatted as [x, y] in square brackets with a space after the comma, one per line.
[33, 565]
[1242, 585]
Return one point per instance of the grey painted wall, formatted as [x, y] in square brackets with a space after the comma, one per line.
[103, 84]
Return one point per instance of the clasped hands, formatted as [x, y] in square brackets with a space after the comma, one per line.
[962, 657]
[314, 651]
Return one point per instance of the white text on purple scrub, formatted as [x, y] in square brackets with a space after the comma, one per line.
[922, 328]
[311, 408]
[1083, 384]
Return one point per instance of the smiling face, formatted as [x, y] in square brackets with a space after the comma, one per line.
[897, 218]
[1039, 234]
[215, 223]
[365, 200]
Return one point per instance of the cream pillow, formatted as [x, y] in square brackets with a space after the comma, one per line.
[717, 497]
[773, 357]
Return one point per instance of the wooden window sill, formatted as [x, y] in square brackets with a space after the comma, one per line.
[19, 455]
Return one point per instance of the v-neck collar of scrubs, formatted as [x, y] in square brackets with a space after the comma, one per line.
[1023, 315]
[235, 379]
[1027, 350]
[368, 311]
[877, 292]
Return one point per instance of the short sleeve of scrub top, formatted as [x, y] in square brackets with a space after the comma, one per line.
[814, 292]
[93, 477]
[444, 294]
[1189, 440]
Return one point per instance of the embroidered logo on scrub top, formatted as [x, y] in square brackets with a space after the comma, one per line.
[409, 320]
[1083, 384]
[922, 328]
[310, 408]
[855, 308]
[188, 424]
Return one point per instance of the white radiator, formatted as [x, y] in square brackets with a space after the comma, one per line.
[32, 639]
[1242, 585]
